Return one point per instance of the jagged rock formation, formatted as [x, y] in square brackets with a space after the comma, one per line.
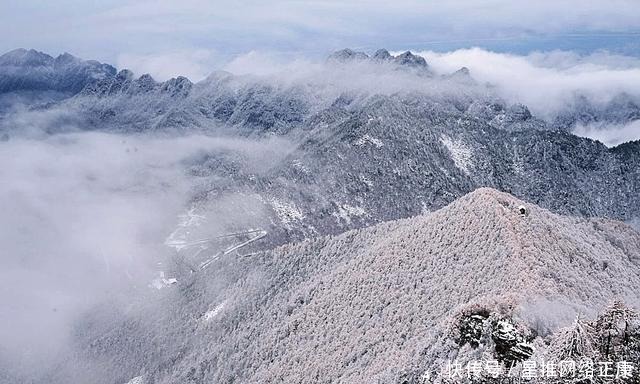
[375, 304]
[382, 54]
[411, 60]
[406, 59]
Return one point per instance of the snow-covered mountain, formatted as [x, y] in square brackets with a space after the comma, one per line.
[30, 70]
[383, 304]
[370, 139]
[342, 229]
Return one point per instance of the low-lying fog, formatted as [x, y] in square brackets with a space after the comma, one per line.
[84, 219]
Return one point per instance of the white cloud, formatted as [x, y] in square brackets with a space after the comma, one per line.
[104, 30]
[195, 65]
[265, 64]
[80, 215]
[610, 135]
[85, 217]
[545, 81]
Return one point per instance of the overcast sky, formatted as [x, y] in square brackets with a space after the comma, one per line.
[193, 34]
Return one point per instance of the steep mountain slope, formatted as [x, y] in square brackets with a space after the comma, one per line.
[392, 160]
[370, 305]
[387, 158]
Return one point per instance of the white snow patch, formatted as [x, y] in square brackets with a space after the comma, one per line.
[424, 209]
[346, 212]
[178, 238]
[297, 164]
[288, 213]
[461, 154]
[210, 314]
[367, 139]
[366, 180]
[136, 380]
[161, 281]
[506, 326]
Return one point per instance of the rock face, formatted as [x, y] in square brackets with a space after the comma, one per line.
[377, 304]
[387, 158]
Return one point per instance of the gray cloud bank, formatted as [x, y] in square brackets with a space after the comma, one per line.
[546, 82]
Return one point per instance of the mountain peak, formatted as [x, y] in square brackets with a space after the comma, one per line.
[177, 86]
[124, 75]
[462, 75]
[66, 58]
[409, 59]
[23, 69]
[463, 71]
[486, 195]
[402, 281]
[406, 59]
[382, 54]
[347, 54]
[24, 57]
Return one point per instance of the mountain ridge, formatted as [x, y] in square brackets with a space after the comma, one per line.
[374, 303]
[28, 70]
[365, 143]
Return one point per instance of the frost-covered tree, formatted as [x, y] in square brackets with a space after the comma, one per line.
[574, 341]
[617, 331]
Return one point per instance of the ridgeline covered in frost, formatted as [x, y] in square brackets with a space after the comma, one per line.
[382, 304]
